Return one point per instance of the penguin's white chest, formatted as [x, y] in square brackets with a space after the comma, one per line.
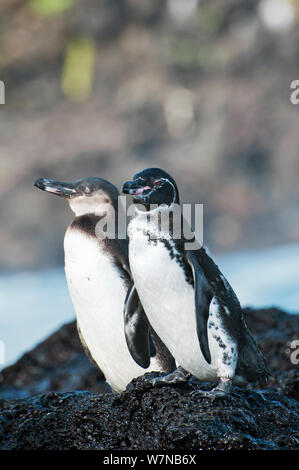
[168, 300]
[98, 293]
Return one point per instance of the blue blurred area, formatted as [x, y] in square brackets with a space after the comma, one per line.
[32, 306]
[35, 304]
[264, 278]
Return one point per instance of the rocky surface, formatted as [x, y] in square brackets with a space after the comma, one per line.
[264, 416]
[150, 418]
[275, 332]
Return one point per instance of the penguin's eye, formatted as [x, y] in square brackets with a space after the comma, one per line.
[158, 183]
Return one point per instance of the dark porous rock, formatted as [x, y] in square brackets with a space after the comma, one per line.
[275, 331]
[57, 364]
[61, 415]
[149, 418]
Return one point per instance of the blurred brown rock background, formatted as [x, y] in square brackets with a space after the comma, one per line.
[107, 88]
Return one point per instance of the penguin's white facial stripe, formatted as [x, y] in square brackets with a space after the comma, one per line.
[98, 203]
[174, 190]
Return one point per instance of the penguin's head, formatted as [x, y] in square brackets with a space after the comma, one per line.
[152, 186]
[85, 196]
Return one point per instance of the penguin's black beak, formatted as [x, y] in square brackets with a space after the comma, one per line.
[59, 188]
[134, 188]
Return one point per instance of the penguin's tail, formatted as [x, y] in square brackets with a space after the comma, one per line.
[251, 364]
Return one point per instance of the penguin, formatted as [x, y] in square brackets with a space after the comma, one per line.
[100, 282]
[187, 299]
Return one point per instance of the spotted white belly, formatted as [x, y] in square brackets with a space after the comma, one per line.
[169, 304]
[98, 295]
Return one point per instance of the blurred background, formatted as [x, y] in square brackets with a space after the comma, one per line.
[106, 88]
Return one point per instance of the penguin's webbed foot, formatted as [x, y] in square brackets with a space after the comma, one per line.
[179, 375]
[222, 389]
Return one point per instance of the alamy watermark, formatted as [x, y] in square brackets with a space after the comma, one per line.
[294, 353]
[178, 222]
[294, 97]
[2, 92]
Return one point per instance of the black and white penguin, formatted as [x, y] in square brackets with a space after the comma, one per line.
[187, 300]
[99, 280]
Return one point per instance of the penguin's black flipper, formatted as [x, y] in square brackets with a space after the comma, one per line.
[203, 296]
[219, 284]
[136, 328]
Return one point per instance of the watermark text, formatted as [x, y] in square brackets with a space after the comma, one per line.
[2, 92]
[159, 222]
[294, 356]
[294, 97]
